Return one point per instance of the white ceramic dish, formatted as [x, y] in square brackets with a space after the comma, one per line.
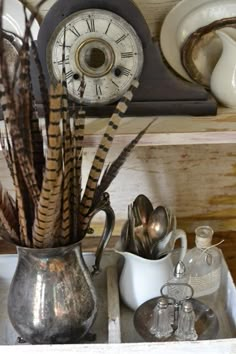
[14, 18]
[186, 17]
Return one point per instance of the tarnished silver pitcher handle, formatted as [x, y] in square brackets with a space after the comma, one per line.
[107, 231]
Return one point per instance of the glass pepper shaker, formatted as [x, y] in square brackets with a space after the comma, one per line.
[186, 323]
[160, 325]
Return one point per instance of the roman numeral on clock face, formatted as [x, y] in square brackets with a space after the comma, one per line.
[125, 71]
[74, 31]
[121, 38]
[114, 83]
[91, 24]
[127, 55]
[69, 75]
[108, 27]
[98, 90]
[60, 62]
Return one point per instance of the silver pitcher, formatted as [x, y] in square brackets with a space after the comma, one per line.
[52, 298]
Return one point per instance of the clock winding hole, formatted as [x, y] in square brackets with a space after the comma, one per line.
[95, 57]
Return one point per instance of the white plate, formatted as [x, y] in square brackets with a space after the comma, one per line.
[14, 18]
[185, 18]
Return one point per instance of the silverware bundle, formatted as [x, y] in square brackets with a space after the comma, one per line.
[145, 232]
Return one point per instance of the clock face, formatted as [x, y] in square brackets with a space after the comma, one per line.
[99, 46]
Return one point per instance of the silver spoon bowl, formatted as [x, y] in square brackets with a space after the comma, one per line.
[142, 208]
[158, 224]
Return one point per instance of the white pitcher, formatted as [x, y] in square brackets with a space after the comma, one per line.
[141, 279]
[223, 78]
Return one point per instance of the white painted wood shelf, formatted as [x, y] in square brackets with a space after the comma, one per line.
[166, 130]
[169, 130]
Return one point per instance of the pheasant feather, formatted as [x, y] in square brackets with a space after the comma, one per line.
[24, 96]
[42, 82]
[10, 112]
[49, 206]
[24, 214]
[67, 216]
[67, 150]
[6, 152]
[37, 145]
[22, 206]
[8, 216]
[78, 137]
[112, 170]
[101, 154]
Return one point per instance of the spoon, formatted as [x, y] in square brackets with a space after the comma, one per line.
[124, 236]
[142, 208]
[158, 223]
[171, 220]
[132, 244]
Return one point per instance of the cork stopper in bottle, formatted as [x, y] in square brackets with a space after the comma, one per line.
[203, 236]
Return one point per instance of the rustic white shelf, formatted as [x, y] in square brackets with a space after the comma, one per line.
[169, 130]
[166, 130]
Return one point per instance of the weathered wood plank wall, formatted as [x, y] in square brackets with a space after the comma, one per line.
[197, 181]
[154, 11]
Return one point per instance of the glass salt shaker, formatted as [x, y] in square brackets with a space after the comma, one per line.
[186, 323]
[160, 325]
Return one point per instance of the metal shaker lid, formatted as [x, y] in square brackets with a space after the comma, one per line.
[187, 306]
[179, 270]
[162, 303]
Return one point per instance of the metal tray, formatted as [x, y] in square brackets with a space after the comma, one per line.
[114, 322]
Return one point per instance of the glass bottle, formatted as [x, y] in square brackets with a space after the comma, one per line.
[186, 323]
[203, 263]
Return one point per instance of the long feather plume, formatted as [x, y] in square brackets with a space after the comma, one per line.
[113, 169]
[49, 207]
[67, 215]
[22, 206]
[10, 113]
[24, 213]
[15, 176]
[8, 216]
[11, 110]
[6, 152]
[35, 138]
[78, 137]
[101, 154]
[24, 97]
[42, 82]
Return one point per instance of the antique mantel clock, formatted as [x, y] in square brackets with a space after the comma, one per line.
[109, 44]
